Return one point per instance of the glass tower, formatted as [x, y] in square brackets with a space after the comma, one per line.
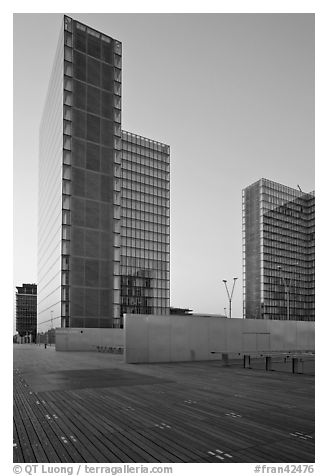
[81, 181]
[145, 227]
[26, 302]
[278, 252]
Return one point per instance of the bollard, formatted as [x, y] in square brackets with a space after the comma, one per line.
[247, 361]
[295, 365]
[301, 366]
[225, 359]
[268, 363]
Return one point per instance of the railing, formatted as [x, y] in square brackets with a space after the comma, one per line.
[110, 350]
[297, 360]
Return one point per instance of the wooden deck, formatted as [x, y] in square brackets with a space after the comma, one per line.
[71, 407]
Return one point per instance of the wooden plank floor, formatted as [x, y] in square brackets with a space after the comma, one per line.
[71, 407]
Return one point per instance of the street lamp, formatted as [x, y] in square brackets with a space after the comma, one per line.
[52, 326]
[286, 290]
[230, 295]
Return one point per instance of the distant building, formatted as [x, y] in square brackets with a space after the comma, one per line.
[180, 311]
[26, 311]
[177, 311]
[278, 252]
[103, 244]
[210, 315]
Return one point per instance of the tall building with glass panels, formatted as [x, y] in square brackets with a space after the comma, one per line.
[26, 306]
[82, 214]
[145, 227]
[278, 252]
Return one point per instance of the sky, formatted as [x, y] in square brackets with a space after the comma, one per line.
[233, 96]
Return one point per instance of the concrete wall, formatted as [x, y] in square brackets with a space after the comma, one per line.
[88, 339]
[150, 338]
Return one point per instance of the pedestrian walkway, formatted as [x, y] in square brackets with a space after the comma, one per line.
[92, 407]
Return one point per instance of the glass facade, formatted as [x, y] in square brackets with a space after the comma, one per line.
[278, 252]
[145, 226]
[91, 176]
[86, 190]
[50, 197]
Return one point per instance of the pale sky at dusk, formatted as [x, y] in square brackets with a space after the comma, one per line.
[232, 94]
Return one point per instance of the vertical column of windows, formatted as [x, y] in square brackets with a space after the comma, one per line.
[261, 196]
[117, 59]
[67, 173]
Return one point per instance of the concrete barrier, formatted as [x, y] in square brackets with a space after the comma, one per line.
[150, 338]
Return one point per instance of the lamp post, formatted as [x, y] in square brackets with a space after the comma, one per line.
[286, 291]
[230, 295]
[52, 326]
